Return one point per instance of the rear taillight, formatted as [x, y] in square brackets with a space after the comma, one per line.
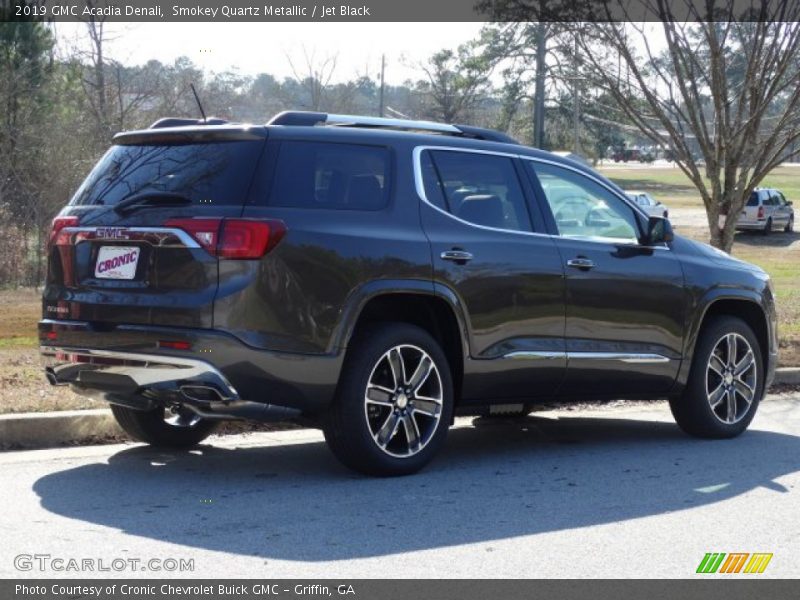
[174, 345]
[760, 212]
[233, 238]
[204, 231]
[60, 223]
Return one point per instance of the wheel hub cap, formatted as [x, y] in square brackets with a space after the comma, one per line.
[402, 400]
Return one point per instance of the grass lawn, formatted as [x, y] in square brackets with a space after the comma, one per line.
[24, 387]
[673, 188]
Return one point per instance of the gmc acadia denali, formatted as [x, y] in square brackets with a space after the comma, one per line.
[376, 277]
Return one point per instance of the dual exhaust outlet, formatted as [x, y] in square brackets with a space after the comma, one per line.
[208, 402]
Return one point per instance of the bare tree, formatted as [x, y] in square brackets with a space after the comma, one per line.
[314, 75]
[115, 93]
[722, 96]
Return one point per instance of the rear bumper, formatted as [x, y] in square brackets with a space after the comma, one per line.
[751, 224]
[127, 365]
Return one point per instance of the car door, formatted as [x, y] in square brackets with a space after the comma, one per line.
[489, 260]
[782, 210]
[626, 302]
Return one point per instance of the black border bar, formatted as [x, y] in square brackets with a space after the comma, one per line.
[241, 11]
[713, 588]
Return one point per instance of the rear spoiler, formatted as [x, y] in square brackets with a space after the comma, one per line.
[187, 133]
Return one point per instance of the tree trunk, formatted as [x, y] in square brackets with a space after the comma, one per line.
[541, 66]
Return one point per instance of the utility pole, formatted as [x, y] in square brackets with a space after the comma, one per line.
[383, 73]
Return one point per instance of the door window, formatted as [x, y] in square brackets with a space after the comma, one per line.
[582, 208]
[482, 189]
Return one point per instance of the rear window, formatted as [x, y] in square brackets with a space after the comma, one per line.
[330, 175]
[753, 200]
[216, 173]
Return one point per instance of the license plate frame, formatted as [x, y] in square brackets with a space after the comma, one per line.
[117, 262]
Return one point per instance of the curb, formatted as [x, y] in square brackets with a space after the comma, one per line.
[47, 430]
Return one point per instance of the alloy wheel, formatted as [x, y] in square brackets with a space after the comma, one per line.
[403, 400]
[731, 378]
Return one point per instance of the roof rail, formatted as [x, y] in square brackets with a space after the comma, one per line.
[490, 135]
[310, 119]
[183, 122]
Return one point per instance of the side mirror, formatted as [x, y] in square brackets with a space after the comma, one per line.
[659, 231]
[788, 203]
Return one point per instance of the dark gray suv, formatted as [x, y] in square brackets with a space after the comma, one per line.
[375, 278]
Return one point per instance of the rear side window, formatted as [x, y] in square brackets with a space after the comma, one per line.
[482, 189]
[431, 181]
[212, 173]
[753, 200]
[329, 175]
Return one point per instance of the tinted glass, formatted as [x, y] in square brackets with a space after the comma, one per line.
[335, 176]
[431, 182]
[214, 173]
[482, 189]
[582, 208]
[753, 199]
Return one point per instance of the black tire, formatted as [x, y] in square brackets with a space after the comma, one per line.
[151, 428]
[692, 410]
[767, 227]
[790, 225]
[347, 427]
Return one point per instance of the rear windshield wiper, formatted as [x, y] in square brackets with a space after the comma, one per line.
[150, 198]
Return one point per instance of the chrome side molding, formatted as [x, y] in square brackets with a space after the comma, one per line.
[626, 357]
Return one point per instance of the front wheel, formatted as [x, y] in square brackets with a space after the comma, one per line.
[164, 428]
[790, 225]
[394, 402]
[726, 381]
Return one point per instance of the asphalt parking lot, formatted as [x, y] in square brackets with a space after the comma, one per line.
[606, 492]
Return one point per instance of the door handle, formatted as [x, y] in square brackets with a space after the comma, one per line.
[581, 262]
[457, 256]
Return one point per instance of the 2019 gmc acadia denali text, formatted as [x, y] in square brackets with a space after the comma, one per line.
[376, 277]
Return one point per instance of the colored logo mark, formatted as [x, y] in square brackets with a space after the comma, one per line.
[734, 562]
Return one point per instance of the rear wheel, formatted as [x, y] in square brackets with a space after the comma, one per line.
[394, 402]
[767, 227]
[162, 427]
[790, 225]
[725, 384]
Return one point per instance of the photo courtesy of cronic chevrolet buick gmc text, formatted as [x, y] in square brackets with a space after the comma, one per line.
[377, 277]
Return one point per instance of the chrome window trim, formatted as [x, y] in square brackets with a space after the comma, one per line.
[626, 357]
[420, 187]
[417, 159]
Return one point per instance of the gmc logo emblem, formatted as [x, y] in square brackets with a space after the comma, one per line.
[112, 233]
